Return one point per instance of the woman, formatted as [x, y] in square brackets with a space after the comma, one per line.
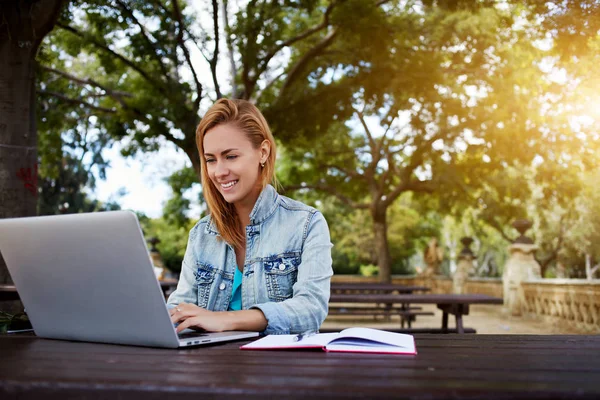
[259, 261]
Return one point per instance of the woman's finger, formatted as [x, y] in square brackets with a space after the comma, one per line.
[178, 308]
[188, 323]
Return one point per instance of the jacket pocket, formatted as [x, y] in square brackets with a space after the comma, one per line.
[205, 275]
[281, 273]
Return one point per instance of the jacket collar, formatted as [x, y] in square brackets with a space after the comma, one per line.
[263, 208]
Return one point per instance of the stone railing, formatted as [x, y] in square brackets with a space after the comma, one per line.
[574, 301]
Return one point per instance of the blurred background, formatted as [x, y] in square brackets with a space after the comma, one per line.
[409, 124]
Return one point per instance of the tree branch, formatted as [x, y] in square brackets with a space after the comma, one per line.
[554, 255]
[186, 53]
[391, 169]
[125, 60]
[346, 171]
[268, 85]
[308, 56]
[76, 101]
[303, 35]
[215, 57]
[334, 192]
[229, 43]
[494, 224]
[116, 94]
[416, 159]
[381, 152]
[361, 117]
[375, 152]
[412, 186]
[143, 29]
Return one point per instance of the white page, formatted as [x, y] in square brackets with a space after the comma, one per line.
[287, 341]
[375, 335]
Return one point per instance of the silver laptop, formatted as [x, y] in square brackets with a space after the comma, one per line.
[88, 277]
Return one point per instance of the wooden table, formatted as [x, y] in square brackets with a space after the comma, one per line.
[376, 287]
[8, 293]
[407, 313]
[455, 304]
[447, 367]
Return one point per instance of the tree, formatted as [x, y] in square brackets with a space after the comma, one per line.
[568, 234]
[23, 25]
[70, 157]
[415, 125]
[410, 228]
[436, 102]
[131, 63]
[176, 207]
[65, 193]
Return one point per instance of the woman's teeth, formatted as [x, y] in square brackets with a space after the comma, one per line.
[228, 185]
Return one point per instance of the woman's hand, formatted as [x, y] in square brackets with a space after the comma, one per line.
[194, 317]
[191, 316]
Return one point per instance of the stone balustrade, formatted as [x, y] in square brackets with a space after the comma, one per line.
[574, 301]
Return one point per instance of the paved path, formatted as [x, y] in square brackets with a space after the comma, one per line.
[490, 319]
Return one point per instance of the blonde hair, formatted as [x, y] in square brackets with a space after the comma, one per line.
[245, 116]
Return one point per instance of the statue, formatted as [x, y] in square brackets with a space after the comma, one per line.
[464, 267]
[521, 266]
[433, 256]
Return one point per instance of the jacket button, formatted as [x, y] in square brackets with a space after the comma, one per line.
[222, 286]
[281, 267]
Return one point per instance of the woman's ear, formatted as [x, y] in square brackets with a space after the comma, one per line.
[265, 151]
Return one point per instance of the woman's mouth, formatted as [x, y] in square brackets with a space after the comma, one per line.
[228, 185]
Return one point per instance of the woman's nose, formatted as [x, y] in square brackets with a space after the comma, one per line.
[221, 169]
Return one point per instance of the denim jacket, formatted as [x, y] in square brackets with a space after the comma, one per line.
[287, 269]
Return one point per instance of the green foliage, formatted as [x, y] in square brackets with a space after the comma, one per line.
[566, 234]
[176, 208]
[369, 270]
[173, 239]
[448, 100]
[65, 193]
[13, 322]
[352, 234]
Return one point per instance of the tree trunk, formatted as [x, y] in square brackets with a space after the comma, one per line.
[23, 25]
[384, 260]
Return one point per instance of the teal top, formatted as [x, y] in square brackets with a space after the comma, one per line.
[236, 292]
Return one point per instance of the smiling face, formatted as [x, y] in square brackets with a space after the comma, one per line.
[234, 165]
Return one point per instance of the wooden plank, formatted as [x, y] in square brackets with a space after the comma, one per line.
[8, 293]
[378, 313]
[376, 287]
[412, 331]
[416, 298]
[447, 366]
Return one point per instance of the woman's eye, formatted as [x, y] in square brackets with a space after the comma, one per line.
[210, 160]
[231, 157]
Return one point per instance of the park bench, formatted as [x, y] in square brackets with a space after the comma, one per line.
[455, 304]
[406, 312]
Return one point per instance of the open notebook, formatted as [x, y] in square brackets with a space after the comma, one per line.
[359, 340]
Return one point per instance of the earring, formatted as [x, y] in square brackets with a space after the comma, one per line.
[262, 164]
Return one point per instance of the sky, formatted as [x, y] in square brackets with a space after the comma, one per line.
[142, 177]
